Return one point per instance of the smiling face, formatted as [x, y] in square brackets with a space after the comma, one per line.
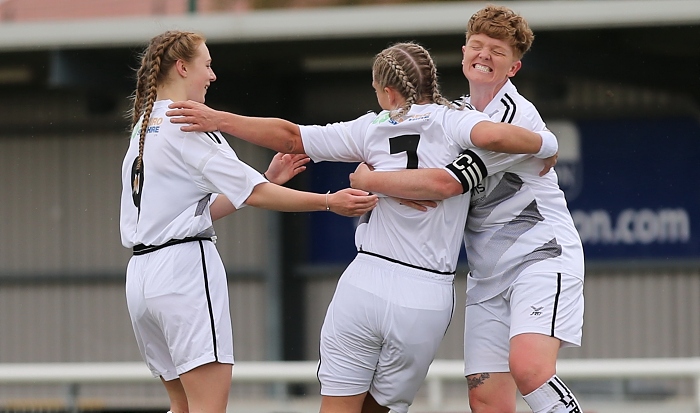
[199, 74]
[488, 61]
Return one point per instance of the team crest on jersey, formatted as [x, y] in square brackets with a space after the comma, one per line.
[382, 117]
[135, 133]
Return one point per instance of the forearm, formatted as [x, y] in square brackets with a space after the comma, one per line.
[274, 133]
[429, 183]
[279, 198]
[502, 137]
[221, 207]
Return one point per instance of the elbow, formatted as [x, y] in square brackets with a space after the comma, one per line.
[447, 188]
[293, 142]
[294, 145]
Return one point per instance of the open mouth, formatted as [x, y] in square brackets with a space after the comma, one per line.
[481, 68]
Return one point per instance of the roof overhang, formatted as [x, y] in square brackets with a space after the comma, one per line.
[343, 22]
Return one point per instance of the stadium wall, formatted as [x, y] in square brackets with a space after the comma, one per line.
[60, 197]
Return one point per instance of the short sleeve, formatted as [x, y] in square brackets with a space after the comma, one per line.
[459, 124]
[219, 167]
[340, 142]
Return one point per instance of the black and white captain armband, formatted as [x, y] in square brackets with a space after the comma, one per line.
[550, 146]
[469, 169]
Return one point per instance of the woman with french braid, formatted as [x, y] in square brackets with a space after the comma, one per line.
[393, 303]
[175, 184]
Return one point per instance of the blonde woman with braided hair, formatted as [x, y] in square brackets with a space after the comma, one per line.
[393, 303]
[175, 184]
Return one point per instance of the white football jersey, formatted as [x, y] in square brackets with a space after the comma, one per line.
[181, 172]
[518, 222]
[428, 136]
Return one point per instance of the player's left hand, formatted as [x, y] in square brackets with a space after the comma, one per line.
[284, 167]
[195, 116]
[549, 164]
[421, 205]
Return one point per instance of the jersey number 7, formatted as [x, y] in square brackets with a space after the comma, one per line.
[408, 144]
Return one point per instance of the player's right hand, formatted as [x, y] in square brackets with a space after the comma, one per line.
[351, 202]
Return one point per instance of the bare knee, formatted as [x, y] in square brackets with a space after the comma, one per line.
[532, 361]
[177, 396]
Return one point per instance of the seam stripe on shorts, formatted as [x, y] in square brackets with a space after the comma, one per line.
[206, 289]
[556, 303]
[452, 313]
[318, 367]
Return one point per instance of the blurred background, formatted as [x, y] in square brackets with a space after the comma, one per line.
[617, 80]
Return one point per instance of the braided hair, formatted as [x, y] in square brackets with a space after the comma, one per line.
[408, 68]
[161, 54]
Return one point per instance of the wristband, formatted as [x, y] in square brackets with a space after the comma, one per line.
[549, 147]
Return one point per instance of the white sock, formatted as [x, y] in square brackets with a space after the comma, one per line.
[553, 397]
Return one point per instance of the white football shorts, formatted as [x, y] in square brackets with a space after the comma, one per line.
[382, 330]
[177, 298]
[543, 303]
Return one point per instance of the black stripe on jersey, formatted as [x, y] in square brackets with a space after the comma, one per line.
[469, 169]
[509, 103]
[461, 102]
[505, 115]
[211, 311]
[213, 137]
[556, 303]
